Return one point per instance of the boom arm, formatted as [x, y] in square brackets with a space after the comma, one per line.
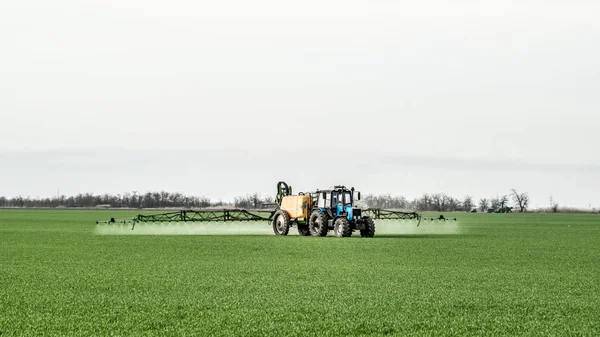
[223, 215]
[199, 216]
[388, 214]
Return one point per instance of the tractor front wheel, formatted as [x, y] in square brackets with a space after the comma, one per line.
[341, 228]
[281, 223]
[317, 224]
[369, 230]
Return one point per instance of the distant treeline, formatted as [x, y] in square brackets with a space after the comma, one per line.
[440, 202]
[134, 200]
[428, 202]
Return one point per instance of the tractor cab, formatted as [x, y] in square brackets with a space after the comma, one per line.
[338, 201]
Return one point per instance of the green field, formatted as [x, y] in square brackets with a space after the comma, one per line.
[497, 274]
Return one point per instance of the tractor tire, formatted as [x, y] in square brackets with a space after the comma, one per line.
[303, 230]
[369, 230]
[281, 223]
[341, 228]
[317, 224]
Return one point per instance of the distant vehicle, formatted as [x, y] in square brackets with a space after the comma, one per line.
[505, 209]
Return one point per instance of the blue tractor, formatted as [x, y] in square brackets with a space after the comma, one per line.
[334, 209]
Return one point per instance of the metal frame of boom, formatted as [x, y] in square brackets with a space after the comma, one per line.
[388, 214]
[221, 215]
[225, 215]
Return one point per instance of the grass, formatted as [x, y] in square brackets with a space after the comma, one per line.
[501, 274]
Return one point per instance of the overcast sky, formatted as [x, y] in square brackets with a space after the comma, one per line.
[220, 98]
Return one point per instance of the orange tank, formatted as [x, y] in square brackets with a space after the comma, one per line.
[296, 206]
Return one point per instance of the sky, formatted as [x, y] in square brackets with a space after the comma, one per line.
[223, 98]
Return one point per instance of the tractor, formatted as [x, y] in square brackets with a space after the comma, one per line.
[315, 213]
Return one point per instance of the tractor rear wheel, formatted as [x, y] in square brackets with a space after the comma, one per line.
[281, 223]
[369, 230]
[317, 223]
[341, 228]
[303, 230]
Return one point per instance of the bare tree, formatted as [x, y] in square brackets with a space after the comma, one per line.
[385, 201]
[483, 204]
[439, 202]
[453, 205]
[425, 203]
[520, 199]
[467, 203]
[204, 202]
[553, 205]
[495, 203]
[503, 201]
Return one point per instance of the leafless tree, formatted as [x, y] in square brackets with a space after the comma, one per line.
[483, 204]
[439, 202]
[468, 203]
[495, 203]
[520, 199]
[385, 201]
[453, 205]
[553, 205]
[503, 201]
